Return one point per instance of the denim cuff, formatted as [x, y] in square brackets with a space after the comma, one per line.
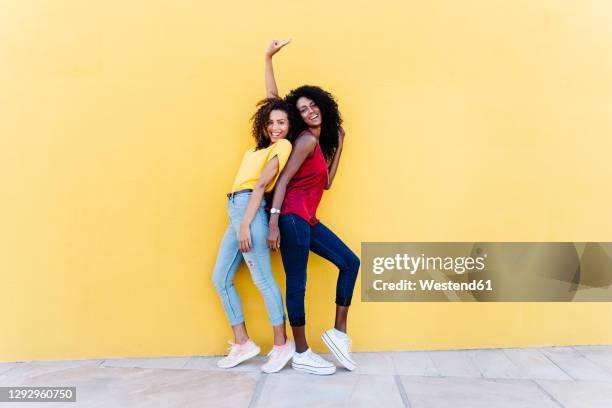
[343, 301]
[297, 321]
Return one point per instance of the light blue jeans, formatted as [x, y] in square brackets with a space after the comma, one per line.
[257, 259]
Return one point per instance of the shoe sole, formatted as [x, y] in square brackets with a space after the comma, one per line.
[283, 366]
[253, 354]
[313, 370]
[342, 359]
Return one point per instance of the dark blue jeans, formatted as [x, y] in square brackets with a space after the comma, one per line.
[298, 238]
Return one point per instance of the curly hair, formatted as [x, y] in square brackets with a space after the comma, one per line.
[260, 119]
[330, 116]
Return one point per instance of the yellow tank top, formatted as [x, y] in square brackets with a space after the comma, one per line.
[254, 161]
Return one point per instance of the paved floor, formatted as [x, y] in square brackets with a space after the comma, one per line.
[579, 376]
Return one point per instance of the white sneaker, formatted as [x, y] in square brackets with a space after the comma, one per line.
[239, 353]
[340, 346]
[279, 357]
[312, 363]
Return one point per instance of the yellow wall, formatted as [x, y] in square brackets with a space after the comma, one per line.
[122, 124]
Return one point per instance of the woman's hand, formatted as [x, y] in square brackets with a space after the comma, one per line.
[341, 134]
[273, 237]
[244, 238]
[275, 47]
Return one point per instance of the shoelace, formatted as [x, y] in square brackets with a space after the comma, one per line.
[317, 358]
[274, 352]
[233, 348]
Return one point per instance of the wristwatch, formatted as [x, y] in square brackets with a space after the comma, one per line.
[274, 211]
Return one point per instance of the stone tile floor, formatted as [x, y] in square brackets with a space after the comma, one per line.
[578, 376]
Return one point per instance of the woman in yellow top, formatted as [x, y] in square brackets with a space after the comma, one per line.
[245, 237]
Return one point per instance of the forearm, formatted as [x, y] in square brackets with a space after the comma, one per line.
[334, 166]
[271, 88]
[277, 201]
[252, 206]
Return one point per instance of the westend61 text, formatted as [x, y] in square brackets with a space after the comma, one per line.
[432, 285]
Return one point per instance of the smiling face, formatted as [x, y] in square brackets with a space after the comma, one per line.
[277, 126]
[311, 115]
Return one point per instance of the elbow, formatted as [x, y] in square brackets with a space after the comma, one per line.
[329, 183]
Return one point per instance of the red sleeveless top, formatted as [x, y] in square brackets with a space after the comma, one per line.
[305, 189]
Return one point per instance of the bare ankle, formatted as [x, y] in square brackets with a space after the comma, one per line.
[280, 342]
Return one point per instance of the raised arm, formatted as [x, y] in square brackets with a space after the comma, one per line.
[273, 48]
[302, 148]
[267, 175]
[334, 164]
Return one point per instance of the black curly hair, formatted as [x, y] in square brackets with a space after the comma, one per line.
[331, 120]
[261, 116]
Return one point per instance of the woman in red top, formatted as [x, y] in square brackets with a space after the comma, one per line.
[310, 170]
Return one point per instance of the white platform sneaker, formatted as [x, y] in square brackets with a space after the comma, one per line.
[278, 357]
[312, 363]
[239, 353]
[340, 346]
